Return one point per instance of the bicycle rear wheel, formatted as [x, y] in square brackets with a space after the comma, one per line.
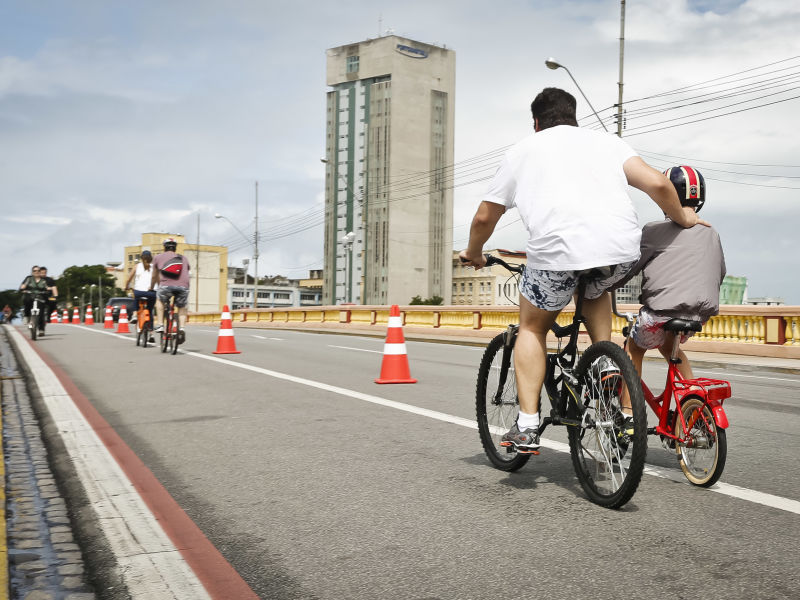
[608, 461]
[165, 333]
[497, 404]
[703, 462]
[176, 330]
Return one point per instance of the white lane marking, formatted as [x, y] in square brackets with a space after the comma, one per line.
[356, 349]
[261, 337]
[779, 502]
[150, 564]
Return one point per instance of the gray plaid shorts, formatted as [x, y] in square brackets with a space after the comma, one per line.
[552, 290]
[181, 294]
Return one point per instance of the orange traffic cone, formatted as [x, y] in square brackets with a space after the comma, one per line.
[108, 321]
[394, 368]
[54, 317]
[122, 324]
[76, 315]
[89, 319]
[225, 341]
[65, 316]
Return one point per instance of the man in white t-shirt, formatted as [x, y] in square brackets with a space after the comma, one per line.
[570, 187]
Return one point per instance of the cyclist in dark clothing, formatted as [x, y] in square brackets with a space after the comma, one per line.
[39, 285]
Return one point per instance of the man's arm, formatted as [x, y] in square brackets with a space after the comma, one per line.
[483, 224]
[656, 185]
[155, 277]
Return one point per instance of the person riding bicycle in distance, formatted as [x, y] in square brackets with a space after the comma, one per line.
[569, 185]
[682, 271]
[142, 276]
[171, 275]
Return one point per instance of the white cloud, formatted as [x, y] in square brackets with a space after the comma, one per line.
[122, 119]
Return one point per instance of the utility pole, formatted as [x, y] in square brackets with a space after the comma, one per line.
[197, 267]
[255, 255]
[621, 60]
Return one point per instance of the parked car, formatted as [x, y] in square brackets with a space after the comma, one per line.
[116, 305]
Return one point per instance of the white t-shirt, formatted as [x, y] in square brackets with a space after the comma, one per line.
[141, 281]
[572, 195]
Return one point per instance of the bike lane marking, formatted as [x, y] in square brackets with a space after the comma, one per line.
[726, 489]
[160, 551]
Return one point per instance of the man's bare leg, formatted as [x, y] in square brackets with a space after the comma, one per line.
[598, 317]
[530, 352]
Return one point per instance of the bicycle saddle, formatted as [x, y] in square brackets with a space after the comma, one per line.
[676, 325]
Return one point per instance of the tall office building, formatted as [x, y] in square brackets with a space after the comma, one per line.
[388, 154]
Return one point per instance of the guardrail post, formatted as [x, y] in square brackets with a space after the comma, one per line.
[774, 330]
[476, 319]
[344, 316]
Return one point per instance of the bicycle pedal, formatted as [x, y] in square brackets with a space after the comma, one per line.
[527, 451]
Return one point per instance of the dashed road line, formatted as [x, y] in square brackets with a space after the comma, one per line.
[742, 493]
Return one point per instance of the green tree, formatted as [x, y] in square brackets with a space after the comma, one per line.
[77, 281]
[433, 300]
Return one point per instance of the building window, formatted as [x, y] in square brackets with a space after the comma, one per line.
[281, 296]
[352, 64]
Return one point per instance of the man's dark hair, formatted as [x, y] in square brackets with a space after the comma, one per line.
[554, 106]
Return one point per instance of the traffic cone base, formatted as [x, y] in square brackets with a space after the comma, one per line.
[225, 342]
[394, 368]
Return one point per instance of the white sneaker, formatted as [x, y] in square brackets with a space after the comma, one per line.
[158, 329]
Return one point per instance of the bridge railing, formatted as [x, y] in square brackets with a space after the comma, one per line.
[757, 330]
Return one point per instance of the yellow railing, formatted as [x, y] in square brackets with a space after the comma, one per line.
[735, 325]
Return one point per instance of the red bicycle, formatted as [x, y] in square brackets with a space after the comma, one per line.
[695, 429]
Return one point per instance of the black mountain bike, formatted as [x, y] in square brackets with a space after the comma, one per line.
[585, 396]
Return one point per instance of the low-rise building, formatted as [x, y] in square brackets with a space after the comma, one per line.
[208, 264]
[488, 286]
[276, 291]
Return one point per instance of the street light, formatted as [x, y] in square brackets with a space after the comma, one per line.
[553, 64]
[347, 241]
[255, 253]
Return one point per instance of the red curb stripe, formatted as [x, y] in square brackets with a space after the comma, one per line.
[216, 574]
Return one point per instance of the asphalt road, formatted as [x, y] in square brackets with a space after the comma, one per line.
[317, 487]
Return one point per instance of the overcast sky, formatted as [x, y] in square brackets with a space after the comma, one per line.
[123, 117]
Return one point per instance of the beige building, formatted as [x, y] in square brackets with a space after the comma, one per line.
[490, 286]
[388, 155]
[209, 268]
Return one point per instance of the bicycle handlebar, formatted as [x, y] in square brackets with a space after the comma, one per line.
[493, 260]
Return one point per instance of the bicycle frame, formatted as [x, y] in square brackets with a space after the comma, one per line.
[712, 392]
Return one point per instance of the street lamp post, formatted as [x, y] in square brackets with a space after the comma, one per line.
[347, 241]
[94, 285]
[553, 64]
[255, 249]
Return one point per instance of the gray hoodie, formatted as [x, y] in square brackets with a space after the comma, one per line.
[682, 270]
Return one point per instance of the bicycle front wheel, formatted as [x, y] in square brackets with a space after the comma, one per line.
[702, 458]
[497, 404]
[607, 456]
[32, 328]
